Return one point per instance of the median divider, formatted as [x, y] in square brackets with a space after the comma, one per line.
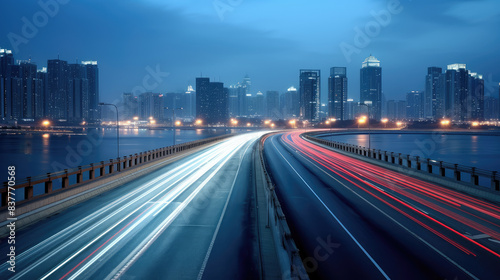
[289, 260]
[482, 183]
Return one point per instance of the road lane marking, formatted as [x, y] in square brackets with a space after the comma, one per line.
[212, 242]
[335, 217]
[395, 221]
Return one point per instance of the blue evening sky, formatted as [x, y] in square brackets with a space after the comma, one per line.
[268, 40]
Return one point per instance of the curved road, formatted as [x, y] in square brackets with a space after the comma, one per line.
[188, 220]
[354, 220]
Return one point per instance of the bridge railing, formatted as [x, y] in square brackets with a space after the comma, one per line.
[68, 178]
[476, 176]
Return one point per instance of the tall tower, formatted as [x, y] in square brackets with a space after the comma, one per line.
[310, 92]
[371, 86]
[57, 71]
[337, 92]
[432, 104]
[93, 90]
[212, 101]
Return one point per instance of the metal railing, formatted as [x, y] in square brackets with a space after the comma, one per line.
[428, 165]
[87, 173]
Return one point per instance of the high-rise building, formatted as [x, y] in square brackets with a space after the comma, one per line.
[130, 106]
[415, 105]
[396, 109]
[292, 103]
[78, 93]
[41, 92]
[24, 90]
[211, 101]
[6, 61]
[310, 93]
[456, 91]
[57, 71]
[151, 106]
[337, 92]
[475, 98]
[433, 92]
[234, 107]
[273, 105]
[189, 102]
[259, 103]
[371, 86]
[463, 94]
[491, 108]
[93, 90]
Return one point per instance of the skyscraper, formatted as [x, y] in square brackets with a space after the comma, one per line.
[211, 101]
[273, 105]
[475, 98]
[78, 93]
[337, 92]
[371, 86]
[456, 91]
[57, 71]
[93, 90]
[6, 61]
[292, 103]
[415, 105]
[433, 92]
[151, 106]
[310, 92]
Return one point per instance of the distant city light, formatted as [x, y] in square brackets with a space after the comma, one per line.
[46, 123]
[385, 120]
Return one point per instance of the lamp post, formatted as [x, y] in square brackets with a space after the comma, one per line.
[173, 119]
[117, 126]
[368, 124]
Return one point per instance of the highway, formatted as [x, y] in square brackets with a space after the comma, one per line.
[355, 220]
[192, 219]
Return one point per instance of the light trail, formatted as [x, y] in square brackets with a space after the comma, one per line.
[392, 187]
[96, 238]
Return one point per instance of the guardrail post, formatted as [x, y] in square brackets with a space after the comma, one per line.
[456, 173]
[393, 159]
[442, 170]
[79, 175]
[495, 184]
[386, 157]
[119, 164]
[111, 166]
[92, 172]
[136, 159]
[48, 184]
[28, 190]
[408, 161]
[125, 160]
[400, 159]
[474, 178]
[429, 166]
[65, 179]
[417, 161]
[101, 169]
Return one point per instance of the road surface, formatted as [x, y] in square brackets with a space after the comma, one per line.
[354, 220]
[190, 220]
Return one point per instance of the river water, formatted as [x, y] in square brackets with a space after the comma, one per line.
[38, 153]
[477, 150]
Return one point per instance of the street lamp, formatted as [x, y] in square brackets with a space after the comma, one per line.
[368, 124]
[46, 123]
[199, 122]
[117, 127]
[384, 121]
[173, 119]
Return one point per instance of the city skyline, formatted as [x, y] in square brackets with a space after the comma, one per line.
[238, 45]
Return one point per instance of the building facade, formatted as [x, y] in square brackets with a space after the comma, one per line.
[310, 94]
[371, 86]
[337, 92]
